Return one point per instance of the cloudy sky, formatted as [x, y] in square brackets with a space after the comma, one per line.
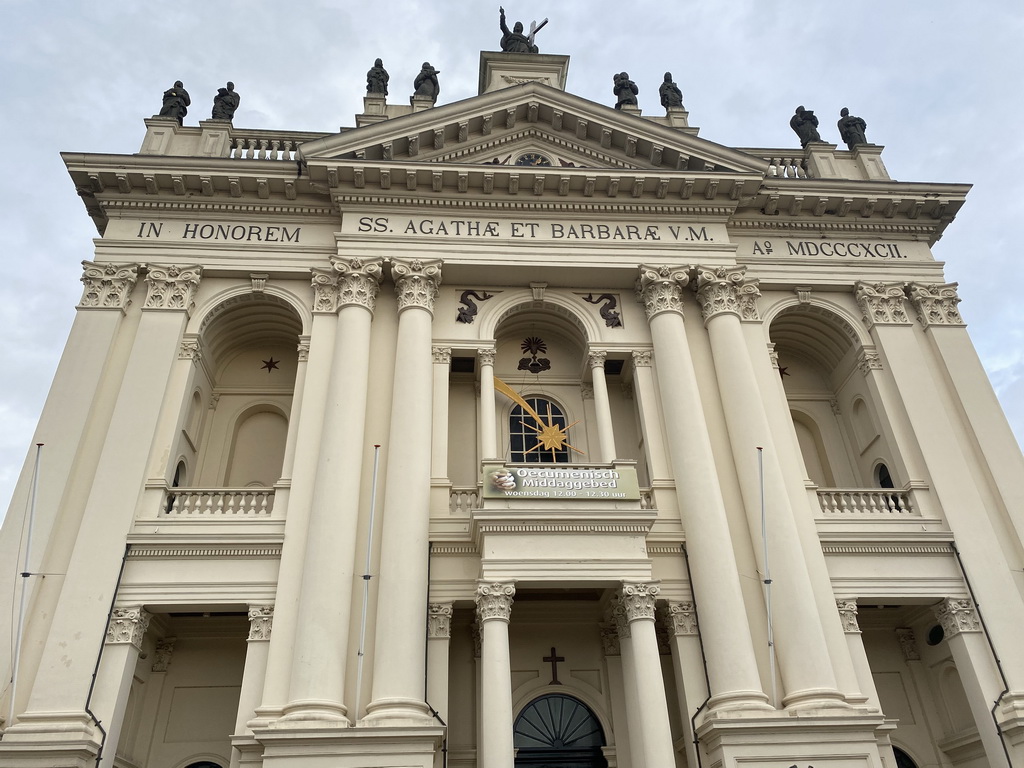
[938, 84]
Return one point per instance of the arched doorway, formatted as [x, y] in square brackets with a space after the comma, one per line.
[558, 731]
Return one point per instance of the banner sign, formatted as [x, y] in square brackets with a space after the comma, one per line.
[553, 482]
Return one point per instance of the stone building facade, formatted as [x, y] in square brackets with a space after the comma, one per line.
[514, 431]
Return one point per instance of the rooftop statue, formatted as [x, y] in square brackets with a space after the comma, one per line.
[851, 129]
[225, 102]
[377, 79]
[515, 41]
[805, 124]
[176, 101]
[426, 82]
[625, 90]
[671, 96]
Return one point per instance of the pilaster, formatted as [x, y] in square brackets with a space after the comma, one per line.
[602, 406]
[680, 619]
[261, 625]
[125, 631]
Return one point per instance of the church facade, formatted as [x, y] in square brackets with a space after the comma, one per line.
[517, 431]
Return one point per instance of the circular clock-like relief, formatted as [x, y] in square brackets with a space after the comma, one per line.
[533, 158]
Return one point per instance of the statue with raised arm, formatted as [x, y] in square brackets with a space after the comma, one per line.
[851, 129]
[225, 102]
[176, 101]
[625, 90]
[426, 82]
[671, 96]
[377, 79]
[805, 124]
[515, 41]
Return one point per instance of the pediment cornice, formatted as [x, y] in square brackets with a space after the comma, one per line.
[460, 130]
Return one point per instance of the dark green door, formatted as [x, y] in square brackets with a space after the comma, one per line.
[558, 731]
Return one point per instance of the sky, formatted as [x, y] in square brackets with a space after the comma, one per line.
[938, 84]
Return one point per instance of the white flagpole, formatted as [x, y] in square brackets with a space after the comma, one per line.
[366, 587]
[767, 573]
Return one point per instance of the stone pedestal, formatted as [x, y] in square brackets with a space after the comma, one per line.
[504, 70]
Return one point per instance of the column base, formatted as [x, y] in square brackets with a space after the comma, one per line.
[397, 712]
[768, 742]
[313, 713]
[733, 701]
[815, 699]
[1011, 722]
[363, 747]
[50, 740]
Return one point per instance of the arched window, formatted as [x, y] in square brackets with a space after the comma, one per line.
[538, 441]
[558, 730]
[883, 477]
[203, 764]
[903, 759]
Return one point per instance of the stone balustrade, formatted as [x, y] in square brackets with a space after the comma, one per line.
[865, 502]
[219, 502]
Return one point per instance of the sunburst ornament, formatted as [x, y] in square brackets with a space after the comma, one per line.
[550, 436]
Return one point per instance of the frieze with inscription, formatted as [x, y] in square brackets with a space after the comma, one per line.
[833, 249]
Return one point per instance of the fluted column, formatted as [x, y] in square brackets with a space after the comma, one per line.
[964, 507]
[125, 632]
[317, 688]
[656, 733]
[261, 624]
[92, 572]
[731, 663]
[398, 663]
[488, 411]
[725, 296]
[493, 610]
[962, 628]
[605, 432]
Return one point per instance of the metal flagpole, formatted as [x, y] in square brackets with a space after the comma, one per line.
[767, 572]
[24, 583]
[366, 586]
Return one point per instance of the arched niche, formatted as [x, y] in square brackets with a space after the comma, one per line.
[559, 729]
[257, 448]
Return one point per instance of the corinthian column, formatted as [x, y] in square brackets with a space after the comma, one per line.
[488, 413]
[125, 633]
[493, 610]
[652, 715]
[725, 296]
[398, 662]
[318, 668]
[732, 668]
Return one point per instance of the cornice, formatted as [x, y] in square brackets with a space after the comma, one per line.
[804, 227]
[179, 551]
[193, 206]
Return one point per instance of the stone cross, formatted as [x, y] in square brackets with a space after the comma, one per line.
[535, 28]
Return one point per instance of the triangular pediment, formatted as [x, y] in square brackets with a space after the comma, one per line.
[541, 123]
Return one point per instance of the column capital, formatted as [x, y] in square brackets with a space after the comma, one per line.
[162, 654]
[303, 349]
[936, 304]
[587, 391]
[107, 286]
[191, 348]
[682, 619]
[617, 617]
[882, 303]
[596, 358]
[610, 638]
[487, 355]
[439, 620]
[416, 281]
[358, 281]
[722, 290]
[908, 644]
[441, 355]
[848, 615]
[128, 626]
[494, 600]
[957, 615]
[638, 599]
[325, 291]
[869, 360]
[642, 358]
[660, 288]
[172, 287]
[261, 622]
